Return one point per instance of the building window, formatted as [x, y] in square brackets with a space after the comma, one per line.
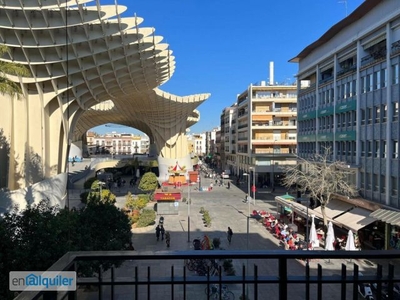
[395, 149]
[395, 74]
[369, 115]
[377, 114]
[363, 85]
[383, 184]
[375, 182]
[362, 180]
[377, 80]
[384, 78]
[363, 117]
[368, 181]
[362, 148]
[395, 111]
[369, 148]
[376, 152]
[370, 82]
[395, 187]
[384, 149]
[384, 113]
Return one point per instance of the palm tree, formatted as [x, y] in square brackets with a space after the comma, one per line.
[6, 68]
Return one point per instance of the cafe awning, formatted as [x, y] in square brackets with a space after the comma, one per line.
[334, 208]
[297, 207]
[355, 219]
[388, 216]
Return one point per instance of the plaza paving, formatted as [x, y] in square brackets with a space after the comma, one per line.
[226, 208]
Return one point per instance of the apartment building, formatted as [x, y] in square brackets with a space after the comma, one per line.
[259, 131]
[117, 143]
[348, 98]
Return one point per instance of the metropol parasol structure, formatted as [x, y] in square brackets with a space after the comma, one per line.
[89, 66]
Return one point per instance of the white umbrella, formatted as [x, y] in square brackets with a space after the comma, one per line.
[350, 242]
[313, 234]
[330, 238]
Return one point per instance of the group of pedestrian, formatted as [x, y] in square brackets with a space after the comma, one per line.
[160, 231]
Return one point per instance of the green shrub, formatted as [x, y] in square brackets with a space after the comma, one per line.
[148, 182]
[134, 218]
[207, 218]
[88, 183]
[147, 217]
[136, 202]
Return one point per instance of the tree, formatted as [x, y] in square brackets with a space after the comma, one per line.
[149, 182]
[100, 194]
[37, 237]
[321, 178]
[8, 86]
[135, 202]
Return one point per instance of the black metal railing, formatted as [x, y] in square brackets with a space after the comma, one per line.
[148, 276]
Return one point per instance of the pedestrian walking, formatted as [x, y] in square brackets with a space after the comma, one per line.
[246, 198]
[230, 233]
[229, 185]
[162, 230]
[167, 239]
[158, 231]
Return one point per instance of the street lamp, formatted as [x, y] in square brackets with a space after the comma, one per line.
[188, 204]
[248, 203]
[254, 186]
[101, 183]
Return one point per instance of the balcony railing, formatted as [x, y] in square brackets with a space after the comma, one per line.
[267, 273]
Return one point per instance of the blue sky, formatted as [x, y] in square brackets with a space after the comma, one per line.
[222, 46]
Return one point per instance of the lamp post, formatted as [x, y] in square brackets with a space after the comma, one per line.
[101, 189]
[254, 186]
[188, 204]
[248, 203]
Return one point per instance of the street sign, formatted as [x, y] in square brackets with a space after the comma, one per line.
[253, 188]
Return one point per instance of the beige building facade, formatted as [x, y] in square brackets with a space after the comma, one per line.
[259, 132]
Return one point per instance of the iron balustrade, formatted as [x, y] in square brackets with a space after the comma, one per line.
[144, 284]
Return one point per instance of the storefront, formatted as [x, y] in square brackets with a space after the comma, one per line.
[345, 215]
[390, 220]
[168, 201]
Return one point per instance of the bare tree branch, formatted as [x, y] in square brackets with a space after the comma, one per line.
[321, 178]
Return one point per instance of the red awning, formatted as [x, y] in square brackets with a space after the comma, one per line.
[167, 196]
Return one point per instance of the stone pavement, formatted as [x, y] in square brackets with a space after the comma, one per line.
[226, 208]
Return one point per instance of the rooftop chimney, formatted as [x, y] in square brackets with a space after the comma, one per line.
[271, 73]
